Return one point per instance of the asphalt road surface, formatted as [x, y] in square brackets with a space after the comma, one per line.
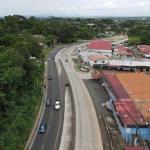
[53, 118]
[99, 97]
[88, 136]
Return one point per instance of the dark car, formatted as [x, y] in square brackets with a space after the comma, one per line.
[67, 84]
[50, 78]
[48, 102]
[42, 128]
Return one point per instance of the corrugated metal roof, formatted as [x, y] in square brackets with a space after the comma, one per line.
[134, 148]
[128, 113]
[138, 85]
[124, 50]
[100, 45]
[115, 85]
[98, 57]
[145, 49]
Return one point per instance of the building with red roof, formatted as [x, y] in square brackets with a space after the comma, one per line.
[98, 59]
[134, 148]
[101, 46]
[128, 114]
[130, 119]
[145, 50]
[123, 51]
[115, 85]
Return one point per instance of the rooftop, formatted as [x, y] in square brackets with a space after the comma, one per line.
[98, 57]
[128, 113]
[100, 45]
[115, 85]
[138, 87]
[124, 50]
[145, 49]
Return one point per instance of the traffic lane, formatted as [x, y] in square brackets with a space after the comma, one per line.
[62, 80]
[50, 116]
[99, 97]
[52, 141]
[47, 141]
[41, 138]
[56, 124]
[55, 51]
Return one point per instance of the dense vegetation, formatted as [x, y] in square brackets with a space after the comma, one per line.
[21, 63]
[21, 71]
[139, 34]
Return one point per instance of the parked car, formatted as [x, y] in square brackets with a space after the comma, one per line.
[42, 128]
[57, 104]
[49, 59]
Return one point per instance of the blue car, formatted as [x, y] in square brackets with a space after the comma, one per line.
[42, 128]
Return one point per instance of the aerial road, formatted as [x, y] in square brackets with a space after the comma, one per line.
[53, 118]
[87, 133]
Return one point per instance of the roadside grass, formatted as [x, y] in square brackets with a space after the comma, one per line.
[79, 66]
[46, 51]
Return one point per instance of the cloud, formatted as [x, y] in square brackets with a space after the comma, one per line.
[76, 7]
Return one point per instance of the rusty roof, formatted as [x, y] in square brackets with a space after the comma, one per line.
[128, 113]
[100, 45]
[98, 57]
[138, 87]
[115, 85]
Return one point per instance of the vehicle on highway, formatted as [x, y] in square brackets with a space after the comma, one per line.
[42, 128]
[67, 84]
[57, 104]
[50, 78]
[48, 102]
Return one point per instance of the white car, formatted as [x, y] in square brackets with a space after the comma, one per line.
[57, 104]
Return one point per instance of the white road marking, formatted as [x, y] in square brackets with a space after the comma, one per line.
[42, 148]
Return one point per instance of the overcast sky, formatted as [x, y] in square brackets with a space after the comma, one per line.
[75, 7]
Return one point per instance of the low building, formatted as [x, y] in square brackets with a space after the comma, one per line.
[137, 85]
[124, 89]
[101, 46]
[98, 59]
[120, 50]
[84, 55]
[144, 50]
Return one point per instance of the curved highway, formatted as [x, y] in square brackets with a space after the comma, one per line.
[53, 118]
[87, 135]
